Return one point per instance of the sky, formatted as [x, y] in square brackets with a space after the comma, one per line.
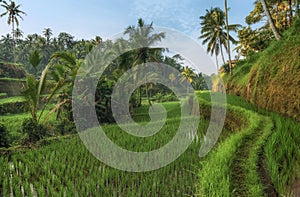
[88, 18]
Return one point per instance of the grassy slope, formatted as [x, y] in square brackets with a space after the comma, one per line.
[271, 79]
[235, 160]
[269, 141]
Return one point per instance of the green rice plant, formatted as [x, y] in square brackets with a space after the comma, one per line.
[217, 180]
[281, 148]
[66, 167]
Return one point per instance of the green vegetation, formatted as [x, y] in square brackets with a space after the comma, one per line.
[257, 154]
[241, 148]
[12, 100]
[11, 70]
[13, 105]
[3, 136]
[59, 164]
[235, 161]
[3, 95]
[268, 78]
[214, 32]
[272, 147]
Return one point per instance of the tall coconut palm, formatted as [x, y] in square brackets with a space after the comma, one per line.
[227, 31]
[214, 33]
[14, 13]
[270, 20]
[141, 38]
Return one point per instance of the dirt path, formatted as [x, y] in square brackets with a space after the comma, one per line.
[239, 167]
[239, 173]
[296, 188]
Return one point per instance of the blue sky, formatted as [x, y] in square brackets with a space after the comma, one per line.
[88, 18]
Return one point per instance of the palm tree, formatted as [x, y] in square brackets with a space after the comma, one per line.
[13, 12]
[214, 33]
[18, 33]
[141, 38]
[34, 88]
[271, 22]
[48, 33]
[6, 50]
[227, 31]
[65, 41]
[64, 74]
[96, 41]
[187, 74]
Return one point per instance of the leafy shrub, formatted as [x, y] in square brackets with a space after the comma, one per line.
[3, 136]
[160, 98]
[66, 127]
[34, 130]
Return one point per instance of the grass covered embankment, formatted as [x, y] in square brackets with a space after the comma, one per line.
[261, 159]
[270, 79]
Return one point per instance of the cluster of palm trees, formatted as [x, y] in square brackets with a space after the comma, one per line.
[215, 31]
[13, 13]
[61, 70]
[215, 34]
[20, 49]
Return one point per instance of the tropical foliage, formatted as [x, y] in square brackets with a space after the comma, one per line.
[214, 33]
[257, 153]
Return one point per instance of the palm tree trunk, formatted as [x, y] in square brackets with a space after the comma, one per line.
[217, 62]
[13, 34]
[274, 29]
[222, 54]
[228, 41]
[147, 91]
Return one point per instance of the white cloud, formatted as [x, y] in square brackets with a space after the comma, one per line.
[176, 14]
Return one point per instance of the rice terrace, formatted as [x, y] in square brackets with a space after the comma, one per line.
[162, 98]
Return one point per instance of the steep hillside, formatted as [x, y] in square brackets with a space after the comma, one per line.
[271, 79]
